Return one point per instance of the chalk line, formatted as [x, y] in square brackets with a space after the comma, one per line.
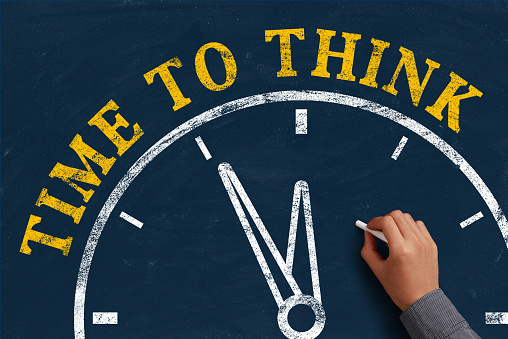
[471, 220]
[399, 148]
[105, 318]
[203, 148]
[131, 219]
[301, 121]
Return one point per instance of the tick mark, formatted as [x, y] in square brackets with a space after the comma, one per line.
[471, 220]
[105, 318]
[496, 318]
[203, 148]
[301, 121]
[399, 148]
[130, 219]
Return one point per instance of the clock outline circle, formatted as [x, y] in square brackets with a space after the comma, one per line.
[257, 100]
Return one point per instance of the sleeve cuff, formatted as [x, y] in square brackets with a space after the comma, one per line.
[432, 316]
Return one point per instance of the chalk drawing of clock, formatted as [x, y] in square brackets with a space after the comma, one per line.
[266, 189]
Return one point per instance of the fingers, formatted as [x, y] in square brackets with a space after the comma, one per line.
[370, 253]
[400, 226]
[415, 228]
[424, 231]
[406, 224]
[389, 228]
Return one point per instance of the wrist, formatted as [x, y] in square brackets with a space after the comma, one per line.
[410, 300]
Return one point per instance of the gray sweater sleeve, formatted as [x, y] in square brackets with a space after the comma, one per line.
[433, 316]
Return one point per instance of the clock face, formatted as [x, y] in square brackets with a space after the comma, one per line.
[189, 209]
[234, 215]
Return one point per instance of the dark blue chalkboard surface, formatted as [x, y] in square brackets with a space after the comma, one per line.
[135, 134]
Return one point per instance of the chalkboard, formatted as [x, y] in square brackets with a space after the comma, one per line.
[129, 131]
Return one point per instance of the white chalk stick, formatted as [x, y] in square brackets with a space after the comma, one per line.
[377, 234]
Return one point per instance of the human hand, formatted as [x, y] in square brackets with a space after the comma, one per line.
[411, 269]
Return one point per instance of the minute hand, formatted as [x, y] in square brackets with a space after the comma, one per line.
[232, 183]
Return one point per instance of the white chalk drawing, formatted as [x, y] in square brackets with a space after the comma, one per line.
[131, 219]
[399, 148]
[496, 318]
[301, 121]
[105, 318]
[233, 185]
[471, 220]
[257, 100]
[203, 148]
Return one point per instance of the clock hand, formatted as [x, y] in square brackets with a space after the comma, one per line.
[231, 182]
[302, 189]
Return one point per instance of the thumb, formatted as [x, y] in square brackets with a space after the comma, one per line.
[370, 253]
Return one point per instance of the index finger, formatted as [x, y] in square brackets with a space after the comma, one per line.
[387, 225]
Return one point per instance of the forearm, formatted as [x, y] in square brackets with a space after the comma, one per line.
[434, 316]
